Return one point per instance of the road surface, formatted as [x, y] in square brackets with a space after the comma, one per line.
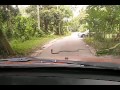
[71, 46]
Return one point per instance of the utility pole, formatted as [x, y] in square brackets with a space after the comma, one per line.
[38, 14]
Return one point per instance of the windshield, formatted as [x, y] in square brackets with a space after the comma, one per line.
[88, 33]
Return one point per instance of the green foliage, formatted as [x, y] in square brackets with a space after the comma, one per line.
[104, 22]
[32, 11]
[74, 24]
[51, 18]
[24, 48]
[115, 50]
[7, 13]
[102, 47]
[20, 29]
[39, 33]
[103, 18]
[25, 28]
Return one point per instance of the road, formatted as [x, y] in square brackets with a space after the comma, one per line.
[71, 46]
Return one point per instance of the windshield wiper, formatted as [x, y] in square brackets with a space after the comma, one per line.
[16, 59]
[26, 59]
[82, 64]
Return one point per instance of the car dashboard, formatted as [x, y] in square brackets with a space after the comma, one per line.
[58, 76]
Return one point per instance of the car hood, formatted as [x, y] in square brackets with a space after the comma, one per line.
[86, 58]
[36, 61]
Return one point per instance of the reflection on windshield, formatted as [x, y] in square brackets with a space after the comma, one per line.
[62, 32]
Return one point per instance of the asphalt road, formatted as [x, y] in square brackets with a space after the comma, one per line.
[71, 46]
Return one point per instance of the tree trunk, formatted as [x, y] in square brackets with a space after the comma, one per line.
[5, 46]
[61, 31]
[46, 26]
[9, 31]
[38, 15]
[57, 30]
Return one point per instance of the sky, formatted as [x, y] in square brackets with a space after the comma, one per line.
[75, 11]
[78, 8]
[24, 6]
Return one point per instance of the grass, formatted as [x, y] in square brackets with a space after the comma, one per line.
[24, 48]
[100, 44]
[103, 46]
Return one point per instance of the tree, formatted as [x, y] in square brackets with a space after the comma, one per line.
[10, 13]
[5, 16]
[103, 19]
[51, 17]
[5, 48]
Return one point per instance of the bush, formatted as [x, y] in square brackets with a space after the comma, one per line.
[39, 33]
[24, 28]
[104, 48]
[89, 40]
[26, 47]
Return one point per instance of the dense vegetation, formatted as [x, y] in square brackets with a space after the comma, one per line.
[16, 28]
[44, 21]
[103, 21]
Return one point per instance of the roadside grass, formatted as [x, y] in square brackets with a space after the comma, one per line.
[99, 44]
[24, 48]
[103, 47]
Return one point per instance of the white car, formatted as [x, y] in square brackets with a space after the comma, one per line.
[83, 34]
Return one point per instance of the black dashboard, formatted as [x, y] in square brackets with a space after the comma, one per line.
[58, 76]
